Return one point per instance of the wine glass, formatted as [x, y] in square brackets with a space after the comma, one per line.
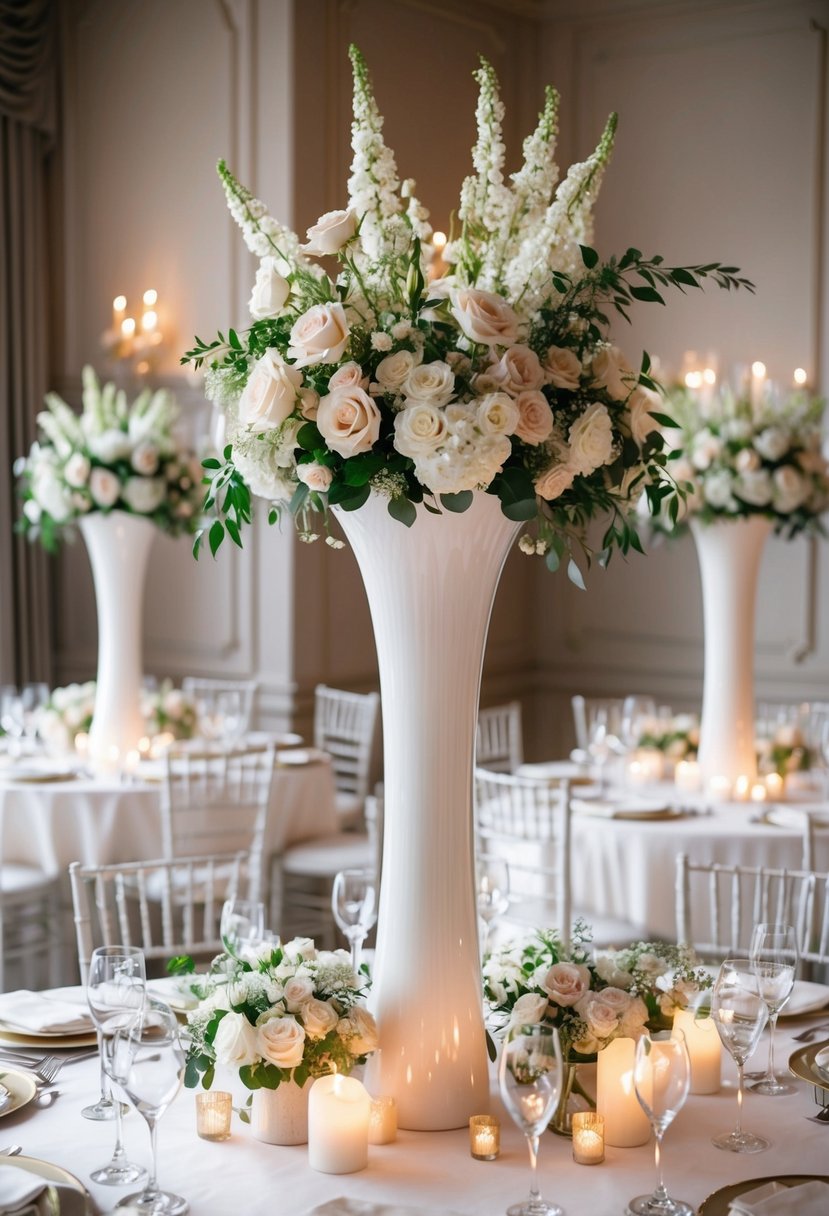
[242, 925]
[661, 1077]
[824, 753]
[529, 1074]
[33, 698]
[230, 712]
[600, 742]
[11, 718]
[115, 991]
[147, 1060]
[773, 954]
[636, 710]
[354, 904]
[739, 1013]
[492, 892]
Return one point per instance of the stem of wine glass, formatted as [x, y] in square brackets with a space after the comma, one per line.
[535, 1194]
[738, 1130]
[660, 1195]
[772, 1024]
[151, 1189]
[356, 940]
[118, 1155]
[105, 1088]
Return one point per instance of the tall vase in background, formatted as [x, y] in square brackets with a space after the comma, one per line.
[430, 589]
[729, 552]
[118, 545]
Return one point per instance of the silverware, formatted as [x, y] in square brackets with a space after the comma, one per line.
[822, 1117]
[46, 1097]
[811, 1032]
[11, 1150]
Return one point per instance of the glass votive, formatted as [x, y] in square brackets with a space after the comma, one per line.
[382, 1121]
[484, 1137]
[213, 1111]
[588, 1137]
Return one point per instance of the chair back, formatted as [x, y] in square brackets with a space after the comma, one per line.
[205, 690]
[499, 744]
[119, 904]
[344, 726]
[217, 802]
[717, 907]
[527, 823]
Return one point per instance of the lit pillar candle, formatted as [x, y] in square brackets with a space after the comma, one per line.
[382, 1126]
[741, 788]
[720, 788]
[687, 776]
[339, 1109]
[588, 1137]
[774, 785]
[626, 1124]
[758, 380]
[704, 1049]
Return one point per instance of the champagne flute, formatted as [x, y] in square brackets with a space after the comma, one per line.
[492, 892]
[739, 1013]
[773, 953]
[529, 1074]
[147, 1061]
[354, 904]
[242, 925]
[661, 1078]
[115, 991]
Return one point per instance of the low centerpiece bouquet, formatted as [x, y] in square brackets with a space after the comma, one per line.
[114, 456]
[280, 1013]
[677, 737]
[388, 376]
[69, 712]
[783, 750]
[168, 710]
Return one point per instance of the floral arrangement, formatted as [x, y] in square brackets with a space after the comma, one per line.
[590, 1000]
[676, 737]
[168, 710]
[784, 751]
[285, 1012]
[741, 458]
[114, 456]
[67, 713]
[495, 376]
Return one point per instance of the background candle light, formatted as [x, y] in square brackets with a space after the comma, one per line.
[588, 1137]
[484, 1137]
[758, 792]
[704, 1050]
[774, 785]
[687, 776]
[338, 1116]
[382, 1125]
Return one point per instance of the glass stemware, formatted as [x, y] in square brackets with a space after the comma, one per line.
[636, 712]
[147, 1060]
[529, 1074]
[661, 1078]
[492, 893]
[230, 711]
[115, 990]
[242, 925]
[739, 1013]
[600, 742]
[354, 904]
[774, 956]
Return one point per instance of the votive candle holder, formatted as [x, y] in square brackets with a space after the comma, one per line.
[382, 1121]
[213, 1111]
[588, 1137]
[484, 1137]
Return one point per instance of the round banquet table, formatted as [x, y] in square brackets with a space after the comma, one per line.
[429, 1172]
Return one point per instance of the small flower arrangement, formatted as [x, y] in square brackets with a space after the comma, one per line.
[114, 456]
[677, 737]
[286, 1012]
[496, 376]
[590, 1000]
[740, 458]
[67, 713]
[784, 752]
[168, 710]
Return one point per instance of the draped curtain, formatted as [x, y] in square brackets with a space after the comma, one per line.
[28, 69]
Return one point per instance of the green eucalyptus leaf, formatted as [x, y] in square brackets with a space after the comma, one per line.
[458, 503]
[402, 510]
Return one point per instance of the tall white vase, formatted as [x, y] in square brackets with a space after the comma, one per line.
[729, 552]
[118, 545]
[430, 590]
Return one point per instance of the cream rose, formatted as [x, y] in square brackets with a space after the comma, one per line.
[706, 447]
[566, 983]
[320, 335]
[236, 1041]
[773, 443]
[318, 1018]
[363, 1038]
[348, 421]
[611, 370]
[484, 316]
[528, 1010]
[591, 439]
[497, 414]
[144, 494]
[419, 428]
[270, 394]
[553, 483]
[144, 458]
[433, 383]
[270, 291]
[790, 489]
[77, 470]
[535, 418]
[104, 487]
[562, 367]
[641, 403]
[393, 370]
[280, 1041]
[330, 233]
[754, 487]
[517, 371]
[309, 400]
[315, 476]
[746, 460]
[348, 374]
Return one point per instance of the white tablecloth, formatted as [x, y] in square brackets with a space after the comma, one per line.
[432, 1171]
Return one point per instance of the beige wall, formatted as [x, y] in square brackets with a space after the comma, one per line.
[716, 158]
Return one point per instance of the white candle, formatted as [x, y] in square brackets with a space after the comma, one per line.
[382, 1127]
[774, 785]
[339, 1109]
[758, 792]
[626, 1124]
[758, 379]
[720, 788]
[741, 788]
[687, 776]
[704, 1050]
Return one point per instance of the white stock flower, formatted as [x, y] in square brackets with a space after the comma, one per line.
[77, 470]
[330, 233]
[562, 367]
[773, 443]
[270, 291]
[348, 420]
[51, 495]
[591, 439]
[320, 335]
[270, 394]
[144, 494]
[484, 317]
[419, 428]
[104, 486]
[110, 446]
[236, 1041]
[433, 383]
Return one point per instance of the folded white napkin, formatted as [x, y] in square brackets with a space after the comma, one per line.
[43, 1013]
[774, 1199]
[361, 1207]
[18, 1190]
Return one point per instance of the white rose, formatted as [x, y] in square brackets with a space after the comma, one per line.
[348, 421]
[610, 369]
[791, 489]
[773, 443]
[518, 370]
[298, 990]
[110, 446]
[144, 458]
[528, 1009]
[270, 291]
[280, 1041]
[315, 476]
[484, 316]
[236, 1041]
[318, 1018]
[553, 483]
[76, 470]
[51, 495]
[348, 374]
[535, 418]
[497, 414]
[608, 969]
[641, 403]
[717, 489]
[736, 428]
[562, 367]
[309, 403]
[363, 1039]
[330, 233]
[746, 460]
[32, 510]
[144, 494]
[754, 487]
[320, 335]
[104, 486]
[393, 370]
[300, 948]
[591, 439]
[705, 449]
[270, 394]
[433, 383]
[419, 428]
[566, 983]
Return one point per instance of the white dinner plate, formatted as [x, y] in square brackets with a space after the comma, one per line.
[30, 774]
[13, 1038]
[557, 770]
[21, 1088]
[630, 807]
[300, 756]
[806, 998]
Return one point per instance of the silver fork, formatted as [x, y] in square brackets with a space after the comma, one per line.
[811, 1032]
